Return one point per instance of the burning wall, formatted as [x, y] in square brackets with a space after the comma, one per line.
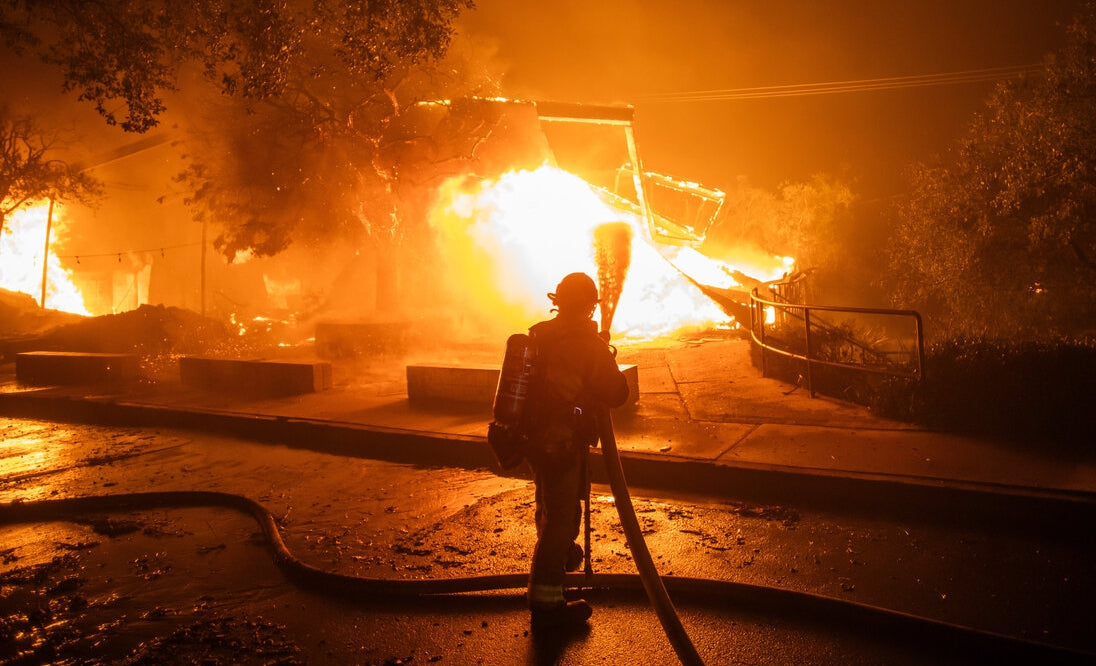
[22, 247]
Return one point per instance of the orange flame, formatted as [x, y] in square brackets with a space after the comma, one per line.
[21, 247]
[509, 240]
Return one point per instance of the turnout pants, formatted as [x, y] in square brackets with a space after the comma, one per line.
[560, 485]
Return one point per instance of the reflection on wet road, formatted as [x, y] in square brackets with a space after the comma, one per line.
[199, 584]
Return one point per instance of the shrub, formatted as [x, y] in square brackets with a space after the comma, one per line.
[1039, 392]
[1018, 390]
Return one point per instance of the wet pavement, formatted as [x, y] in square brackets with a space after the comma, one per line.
[707, 426]
[704, 412]
[186, 585]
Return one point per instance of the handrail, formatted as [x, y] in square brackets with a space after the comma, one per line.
[802, 311]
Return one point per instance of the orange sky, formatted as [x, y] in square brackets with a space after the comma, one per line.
[620, 50]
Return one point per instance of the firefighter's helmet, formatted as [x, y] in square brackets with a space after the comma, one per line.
[576, 290]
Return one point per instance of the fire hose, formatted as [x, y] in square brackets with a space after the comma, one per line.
[725, 592]
[613, 255]
[652, 583]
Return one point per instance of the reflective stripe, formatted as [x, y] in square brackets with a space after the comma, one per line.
[545, 594]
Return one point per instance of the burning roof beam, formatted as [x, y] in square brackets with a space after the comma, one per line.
[570, 112]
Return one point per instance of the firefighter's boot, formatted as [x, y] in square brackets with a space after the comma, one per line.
[560, 615]
[548, 609]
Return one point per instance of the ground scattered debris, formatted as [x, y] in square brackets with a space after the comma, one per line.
[111, 526]
[220, 641]
[42, 597]
[89, 590]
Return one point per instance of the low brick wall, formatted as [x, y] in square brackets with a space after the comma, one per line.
[255, 376]
[467, 383]
[42, 368]
[475, 383]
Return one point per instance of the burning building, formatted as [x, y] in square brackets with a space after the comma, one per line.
[514, 194]
[500, 197]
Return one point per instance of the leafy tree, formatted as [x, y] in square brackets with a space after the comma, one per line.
[809, 221]
[813, 221]
[1001, 239]
[130, 53]
[29, 171]
[324, 159]
[310, 86]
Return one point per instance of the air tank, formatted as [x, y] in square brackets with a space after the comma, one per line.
[514, 380]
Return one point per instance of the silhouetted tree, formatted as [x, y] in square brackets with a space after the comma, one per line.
[129, 53]
[1001, 239]
[29, 169]
[310, 86]
[316, 162]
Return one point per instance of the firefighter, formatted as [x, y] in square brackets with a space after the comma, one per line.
[576, 376]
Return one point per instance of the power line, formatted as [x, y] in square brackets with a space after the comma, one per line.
[835, 87]
[119, 253]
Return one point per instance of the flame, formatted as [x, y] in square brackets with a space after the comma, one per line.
[508, 241]
[715, 273]
[21, 247]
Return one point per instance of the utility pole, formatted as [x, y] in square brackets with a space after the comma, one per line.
[45, 254]
[203, 280]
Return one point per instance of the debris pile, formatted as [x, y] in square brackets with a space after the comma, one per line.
[150, 330]
[20, 316]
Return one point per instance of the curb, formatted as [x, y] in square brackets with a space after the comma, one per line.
[893, 496]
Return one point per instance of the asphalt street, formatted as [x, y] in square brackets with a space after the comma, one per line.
[200, 582]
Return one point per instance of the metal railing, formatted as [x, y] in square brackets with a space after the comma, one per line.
[872, 358]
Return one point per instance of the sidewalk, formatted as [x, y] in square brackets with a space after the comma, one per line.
[705, 421]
